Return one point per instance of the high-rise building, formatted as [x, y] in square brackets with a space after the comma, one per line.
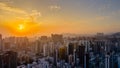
[46, 50]
[81, 54]
[56, 38]
[75, 57]
[43, 39]
[70, 48]
[86, 60]
[107, 61]
[39, 47]
[8, 60]
[62, 53]
[7, 45]
[100, 35]
[1, 61]
[70, 59]
[118, 59]
[22, 42]
[1, 47]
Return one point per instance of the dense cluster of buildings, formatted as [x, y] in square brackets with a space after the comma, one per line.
[99, 51]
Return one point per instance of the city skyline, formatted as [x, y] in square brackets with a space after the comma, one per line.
[44, 17]
[56, 51]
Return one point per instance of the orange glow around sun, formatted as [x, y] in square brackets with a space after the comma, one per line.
[21, 28]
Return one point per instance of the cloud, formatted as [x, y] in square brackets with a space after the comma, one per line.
[6, 7]
[35, 13]
[55, 7]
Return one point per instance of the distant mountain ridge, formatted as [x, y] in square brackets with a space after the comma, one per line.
[116, 34]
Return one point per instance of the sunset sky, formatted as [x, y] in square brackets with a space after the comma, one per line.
[43, 17]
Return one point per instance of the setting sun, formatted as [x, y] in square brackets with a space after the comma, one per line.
[21, 27]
